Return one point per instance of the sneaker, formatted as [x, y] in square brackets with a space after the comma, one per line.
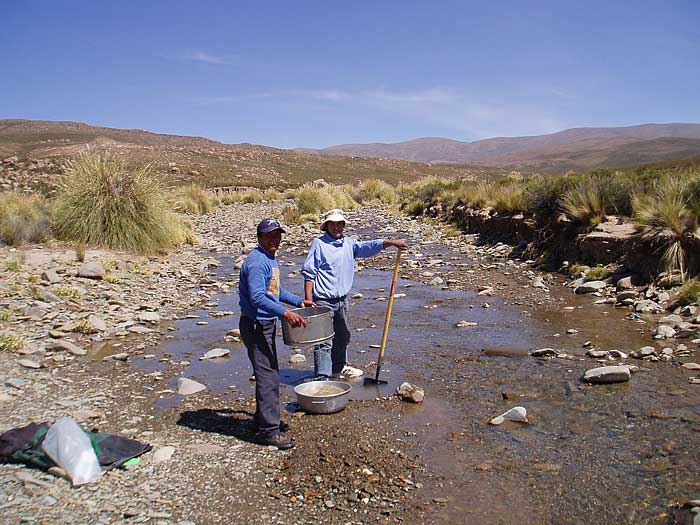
[283, 426]
[349, 371]
[277, 440]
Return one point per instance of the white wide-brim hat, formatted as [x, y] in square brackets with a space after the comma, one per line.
[334, 215]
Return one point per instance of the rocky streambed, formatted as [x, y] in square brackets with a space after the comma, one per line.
[466, 320]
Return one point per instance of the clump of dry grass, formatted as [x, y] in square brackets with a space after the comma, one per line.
[101, 202]
[374, 190]
[11, 342]
[667, 210]
[23, 218]
[586, 202]
[242, 196]
[192, 199]
[598, 273]
[689, 292]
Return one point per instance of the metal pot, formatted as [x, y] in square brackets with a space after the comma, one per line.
[318, 329]
[310, 402]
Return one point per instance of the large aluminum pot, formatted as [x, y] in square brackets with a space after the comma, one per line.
[318, 329]
[312, 399]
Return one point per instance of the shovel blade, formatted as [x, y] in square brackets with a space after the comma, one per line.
[373, 381]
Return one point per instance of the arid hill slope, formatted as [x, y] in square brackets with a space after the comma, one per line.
[206, 161]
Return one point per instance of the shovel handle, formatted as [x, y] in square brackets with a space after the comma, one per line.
[388, 313]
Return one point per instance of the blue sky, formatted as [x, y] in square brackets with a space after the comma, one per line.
[314, 74]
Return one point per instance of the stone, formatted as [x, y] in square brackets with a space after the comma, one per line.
[607, 375]
[92, 270]
[205, 448]
[624, 284]
[186, 386]
[50, 276]
[691, 366]
[544, 352]
[689, 310]
[517, 414]
[297, 358]
[598, 354]
[487, 290]
[214, 353]
[617, 354]
[626, 296]
[148, 317]
[466, 324]
[408, 392]
[48, 296]
[436, 281]
[28, 363]
[664, 332]
[163, 454]
[16, 383]
[590, 287]
[672, 320]
[647, 306]
[65, 346]
[647, 350]
[357, 295]
[98, 324]
[234, 332]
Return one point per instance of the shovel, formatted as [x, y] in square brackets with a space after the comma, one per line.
[375, 380]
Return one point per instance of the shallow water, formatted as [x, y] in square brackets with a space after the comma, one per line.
[620, 453]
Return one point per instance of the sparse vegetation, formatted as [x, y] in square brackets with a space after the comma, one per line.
[83, 326]
[23, 218]
[80, 249]
[577, 270]
[11, 342]
[4, 314]
[112, 279]
[67, 292]
[14, 265]
[689, 292]
[193, 199]
[102, 202]
[598, 273]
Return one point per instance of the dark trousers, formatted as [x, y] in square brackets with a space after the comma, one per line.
[259, 340]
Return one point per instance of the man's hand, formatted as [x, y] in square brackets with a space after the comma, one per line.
[294, 319]
[307, 303]
[399, 243]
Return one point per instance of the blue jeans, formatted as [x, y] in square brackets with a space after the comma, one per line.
[331, 357]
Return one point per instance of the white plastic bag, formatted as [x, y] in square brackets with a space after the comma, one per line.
[70, 448]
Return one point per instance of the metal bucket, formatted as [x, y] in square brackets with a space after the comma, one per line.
[311, 401]
[318, 329]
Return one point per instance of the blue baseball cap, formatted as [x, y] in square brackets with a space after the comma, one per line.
[268, 225]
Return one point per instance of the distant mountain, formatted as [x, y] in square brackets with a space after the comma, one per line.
[195, 159]
[577, 148]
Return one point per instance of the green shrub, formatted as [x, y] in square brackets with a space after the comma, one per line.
[598, 273]
[101, 202]
[4, 314]
[14, 265]
[577, 270]
[23, 218]
[689, 292]
[193, 199]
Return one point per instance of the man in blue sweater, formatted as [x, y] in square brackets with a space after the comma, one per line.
[328, 274]
[260, 295]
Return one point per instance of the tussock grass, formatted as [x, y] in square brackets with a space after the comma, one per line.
[586, 202]
[102, 202]
[242, 196]
[292, 215]
[689, 292]
[23, 218]
[4, 314]
[312, 200]
[11, 342]
[508, 198]
[375, 190]
[193, 199]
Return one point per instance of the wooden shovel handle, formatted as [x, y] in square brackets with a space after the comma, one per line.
[388, 312]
